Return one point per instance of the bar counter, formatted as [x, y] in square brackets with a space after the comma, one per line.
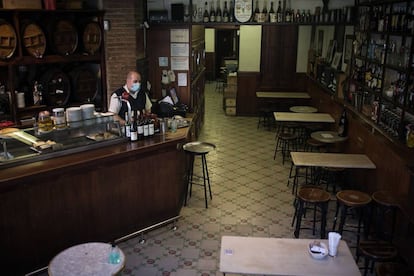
[96, 195]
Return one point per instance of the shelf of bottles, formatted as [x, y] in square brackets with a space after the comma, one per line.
[218, 11]
[381, 85]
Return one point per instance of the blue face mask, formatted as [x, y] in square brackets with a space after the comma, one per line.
[135, 87]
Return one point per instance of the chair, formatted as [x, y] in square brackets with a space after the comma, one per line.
[319, 199]
[201, 149]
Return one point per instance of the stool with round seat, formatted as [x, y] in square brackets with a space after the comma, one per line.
[331, 177]
[385, 207]
[194, 149]
[286, 141]
[349, 200]
[318, 198]
[312, 145]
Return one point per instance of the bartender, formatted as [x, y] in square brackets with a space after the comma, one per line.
[129, 97]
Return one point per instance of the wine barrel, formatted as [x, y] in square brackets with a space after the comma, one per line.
[56, 87]
[92, 37]
[64, 37]
[8, 40]
[84, 84]
[33, 39]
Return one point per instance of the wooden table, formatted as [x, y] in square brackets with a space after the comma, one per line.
[303, 109]
[283, 95]
[85, 259]
[329, 137]
[303, 117]
[332, 160]
[273, 256]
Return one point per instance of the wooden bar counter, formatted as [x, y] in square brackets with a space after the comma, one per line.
[95, 195]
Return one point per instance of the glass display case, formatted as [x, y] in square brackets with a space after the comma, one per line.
[22, 146]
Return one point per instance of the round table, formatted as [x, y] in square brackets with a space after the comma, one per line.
[303, 109]
[85, 259]
[326, 136]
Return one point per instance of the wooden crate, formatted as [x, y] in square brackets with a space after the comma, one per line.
[231, 111]
[230, 102]
[22, 4]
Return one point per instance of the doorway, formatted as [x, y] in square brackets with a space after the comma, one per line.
[226, 48]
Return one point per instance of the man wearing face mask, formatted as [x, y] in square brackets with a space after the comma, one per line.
[129, 97]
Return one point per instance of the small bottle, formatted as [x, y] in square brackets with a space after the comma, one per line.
[218, 12]
[134, 130]
[140, 128]
[151, 127]
[127, 125]
[114, 255]
[343, 125]
[146, 128]
[231, 12]
[206, 15]
[279, 14]
[212, 12]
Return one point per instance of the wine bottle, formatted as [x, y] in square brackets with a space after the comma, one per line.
[127, 126]
[218, 12]
[264, 12]
[231, 13]
[140, 128]
[212, 12]
[343, 125]
[151, 127]
[256, 12]
[134, 132]
[146, 127]
[279, 14]
[272, 14]
[225, 13]
[206, 15]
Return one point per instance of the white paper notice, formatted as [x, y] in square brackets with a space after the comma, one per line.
[182, 79]
[179, 35]
[179, 49]
[179, 63]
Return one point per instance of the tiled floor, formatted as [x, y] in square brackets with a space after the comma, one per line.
[250, 198]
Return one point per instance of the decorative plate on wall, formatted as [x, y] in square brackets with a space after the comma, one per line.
[243, 10]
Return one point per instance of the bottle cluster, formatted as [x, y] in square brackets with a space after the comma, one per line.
[139, 125]
[216, 14]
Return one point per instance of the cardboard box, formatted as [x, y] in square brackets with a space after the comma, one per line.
[231, 80]
[230, 102]
[22, 4]
[231, 111]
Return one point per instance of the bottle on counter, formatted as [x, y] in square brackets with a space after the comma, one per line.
[206, 15]
[127, 125]
[140, 128]
[231, 12]
[134, 130]
[279, 14]
[212, 12]
[272, 14]
[151, 127]
[225, 13]
[114, 254]
[218, 12]
[343, 125]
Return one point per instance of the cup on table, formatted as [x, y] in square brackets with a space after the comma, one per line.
[333, 243]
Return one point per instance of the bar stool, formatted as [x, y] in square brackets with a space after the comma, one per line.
[348, 200]
[312, 145]
[331, 177]
[318, 198]
[194, 149]
[386, 206]
[286, 141]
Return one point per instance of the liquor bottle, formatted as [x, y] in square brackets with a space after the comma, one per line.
[218, 12]
[343, 125]
[231, 13]
[151, 127]
[272, 14]
[134, 130]
[146, 127]
[206, 15]
[256, 12]
[279, 14]
[264, 12]
[212, 12]
[140, 129]
[297, 16]
[225, 13]
[127, 126]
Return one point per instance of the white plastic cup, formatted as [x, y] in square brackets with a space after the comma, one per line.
[333, 243]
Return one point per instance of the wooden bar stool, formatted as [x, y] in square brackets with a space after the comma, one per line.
[385, 210]
[318, 198]
[194, 149]
[349, 200]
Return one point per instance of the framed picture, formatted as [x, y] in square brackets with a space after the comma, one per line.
[336, 60]
[349, 41]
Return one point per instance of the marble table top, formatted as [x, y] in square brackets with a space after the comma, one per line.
[85, 259]
[274, 256]
[303, 109]
[326, 136]
[303, 117]
[332, 160]
[283, 95]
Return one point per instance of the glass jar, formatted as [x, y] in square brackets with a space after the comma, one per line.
[59, 117]
[45, 123]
